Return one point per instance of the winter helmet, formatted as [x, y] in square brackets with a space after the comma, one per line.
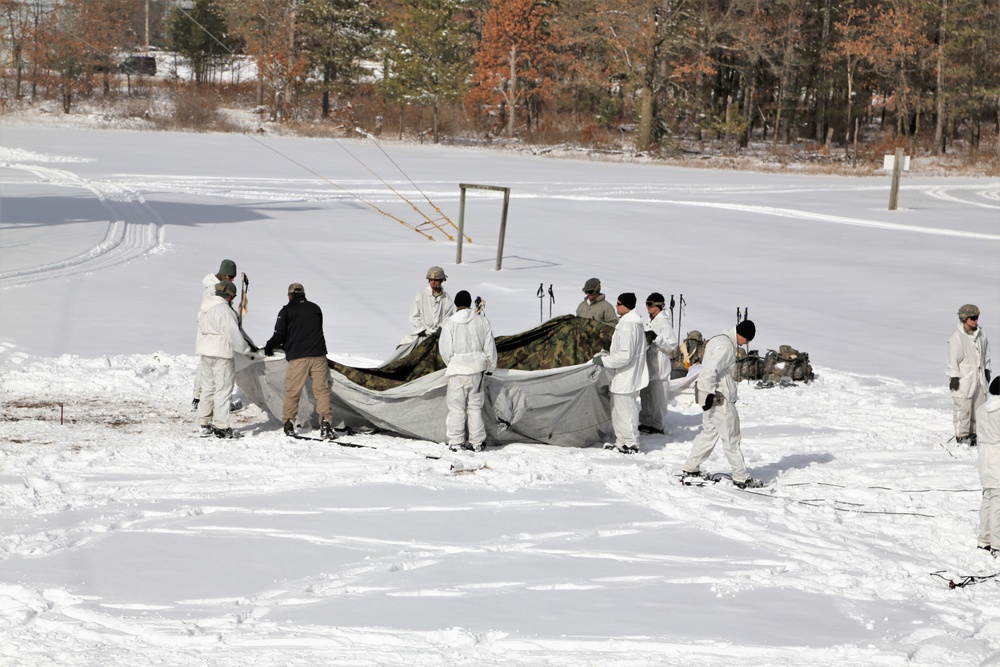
[436, 273]
[592, 285]
[225, 288]
[967, 311]
[296, 288]
[655, 299]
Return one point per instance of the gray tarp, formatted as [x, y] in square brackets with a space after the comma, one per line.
[567, 406]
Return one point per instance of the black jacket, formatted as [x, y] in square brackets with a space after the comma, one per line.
[299, 330]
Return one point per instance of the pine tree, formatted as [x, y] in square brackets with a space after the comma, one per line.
[428, 57]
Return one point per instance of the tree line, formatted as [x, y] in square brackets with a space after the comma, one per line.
[924, 72]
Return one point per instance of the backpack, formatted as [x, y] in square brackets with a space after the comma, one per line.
[749, 366]
[689, 352]
[786, 365]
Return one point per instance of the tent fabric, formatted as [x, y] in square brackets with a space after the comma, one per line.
[544, 390]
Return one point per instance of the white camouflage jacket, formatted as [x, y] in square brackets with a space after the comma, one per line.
[428, 312]
[218, 333]
[968, 357]
[627, 356]
[718, 369]
[658, 352]
[467, 345]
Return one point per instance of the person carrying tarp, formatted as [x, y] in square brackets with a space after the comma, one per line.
[627, 361]
[431, 305]
[227, 271]
[299, 331]
[968, 372]
[594, 306]
[219, 339]
[660, 343]
[468, 348]
[720, 421]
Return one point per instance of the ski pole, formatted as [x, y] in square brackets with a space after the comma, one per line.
[680, 315]
[541, 295]
[671, 311]
[552, 300]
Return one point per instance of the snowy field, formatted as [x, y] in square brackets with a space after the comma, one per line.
[126, 540]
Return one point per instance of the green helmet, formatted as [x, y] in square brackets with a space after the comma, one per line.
[436, 273]
[225, 288]
[967, 311]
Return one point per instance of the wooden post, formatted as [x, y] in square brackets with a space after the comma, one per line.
[461, 225]
[503, 227]
[897, 169]
[503, 218]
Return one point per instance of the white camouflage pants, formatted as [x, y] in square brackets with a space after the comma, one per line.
[965, 412]
[625, 419]
[218, 376]
[653, 399]
[465, 407]
[989, 519]
[721, 423]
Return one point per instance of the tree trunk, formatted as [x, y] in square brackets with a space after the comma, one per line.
[644, 135]
[437, 122]
[511, 93]
[939, 89]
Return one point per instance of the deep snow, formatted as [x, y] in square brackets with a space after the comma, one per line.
[127, 540]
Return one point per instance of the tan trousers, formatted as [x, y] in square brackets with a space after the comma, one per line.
[316, 369]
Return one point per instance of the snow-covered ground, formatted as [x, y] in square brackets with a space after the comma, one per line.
[125, 539]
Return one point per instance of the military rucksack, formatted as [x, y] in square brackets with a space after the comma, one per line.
[787, 364]
[689, 352]
[749, 365]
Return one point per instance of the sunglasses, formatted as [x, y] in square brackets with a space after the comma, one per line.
[974, 318]
[590, 291]
[650, 304]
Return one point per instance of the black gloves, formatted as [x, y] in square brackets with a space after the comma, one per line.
[268, 350]
[709, 402]
[650, 337]
[987, 377]
[953, 385]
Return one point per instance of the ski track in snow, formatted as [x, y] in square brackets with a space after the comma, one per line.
[134, 229]
[864, 502]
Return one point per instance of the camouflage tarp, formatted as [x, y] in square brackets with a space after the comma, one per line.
[544, 389]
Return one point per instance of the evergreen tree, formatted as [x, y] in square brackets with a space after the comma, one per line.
[201, 36]
[428, 59]
[335, 37]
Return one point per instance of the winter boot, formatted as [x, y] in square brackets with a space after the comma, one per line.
[289, 428]
[206, 431]
[649, 429]
[326, 430]
[748, 483]
[472, 447]
[227, 434]
[455, 448]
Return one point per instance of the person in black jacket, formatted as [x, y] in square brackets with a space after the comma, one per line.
[299, 331]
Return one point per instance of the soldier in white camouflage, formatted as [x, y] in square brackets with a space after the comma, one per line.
[969, 372]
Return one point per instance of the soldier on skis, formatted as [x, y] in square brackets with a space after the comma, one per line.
[716, 387]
